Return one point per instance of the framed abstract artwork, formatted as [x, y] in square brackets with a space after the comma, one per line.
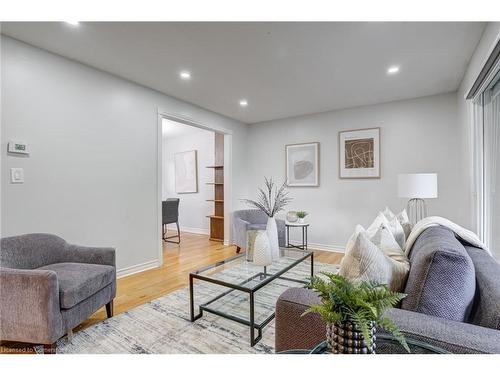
[302, 164]
[186, 172]
[359, 153]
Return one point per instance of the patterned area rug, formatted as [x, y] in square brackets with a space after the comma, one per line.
[162, 326]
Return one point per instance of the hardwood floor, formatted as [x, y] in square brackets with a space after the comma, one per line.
[194, 252]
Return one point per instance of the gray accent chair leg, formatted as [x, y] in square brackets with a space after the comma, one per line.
[109, 309]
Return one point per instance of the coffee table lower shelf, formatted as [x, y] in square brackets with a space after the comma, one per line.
[265, 276]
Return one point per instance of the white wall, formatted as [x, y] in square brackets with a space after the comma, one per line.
[193, 207]
[419, 135]
[91, 176]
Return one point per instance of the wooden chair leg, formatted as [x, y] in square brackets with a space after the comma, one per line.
[49, 348]
[109, 309]
[238, 249]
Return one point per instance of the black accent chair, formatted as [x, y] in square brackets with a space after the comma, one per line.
[170, 213]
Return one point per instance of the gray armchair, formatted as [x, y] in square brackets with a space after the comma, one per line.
[48, 287]
[245, 220]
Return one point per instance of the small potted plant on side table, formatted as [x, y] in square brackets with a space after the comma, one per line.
[352, 311]
[302, 215]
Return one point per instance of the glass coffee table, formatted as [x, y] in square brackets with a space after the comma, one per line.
[238, 276]
[386, 344]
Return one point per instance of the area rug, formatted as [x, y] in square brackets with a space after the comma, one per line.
[162, 326]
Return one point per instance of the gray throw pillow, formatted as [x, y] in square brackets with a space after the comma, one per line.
[442, 279]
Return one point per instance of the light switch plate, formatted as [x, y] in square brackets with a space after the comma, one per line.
[17, 175]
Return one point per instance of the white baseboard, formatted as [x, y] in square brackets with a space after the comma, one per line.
[127, 271]
[195, 230]
[322, 247]
[190, 230]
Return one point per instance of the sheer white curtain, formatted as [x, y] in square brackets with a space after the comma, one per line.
[491, 136]
[475, 113]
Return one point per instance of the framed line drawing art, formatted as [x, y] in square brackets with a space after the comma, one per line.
[186, 172]
[359, 153]
[302, 164]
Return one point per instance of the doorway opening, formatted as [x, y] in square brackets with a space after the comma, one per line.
[193, 171]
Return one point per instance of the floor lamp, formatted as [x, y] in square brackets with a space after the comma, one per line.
[416, 187]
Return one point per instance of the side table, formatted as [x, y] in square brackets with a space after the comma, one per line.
[304, 227]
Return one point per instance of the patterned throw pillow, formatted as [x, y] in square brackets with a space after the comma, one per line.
[377, 258]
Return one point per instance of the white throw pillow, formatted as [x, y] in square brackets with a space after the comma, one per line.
[392, 224]
[400, 265]
[405, 222]
[363, 260]
[402, 218]
[388, 213]
[377, 259]
[380, 220]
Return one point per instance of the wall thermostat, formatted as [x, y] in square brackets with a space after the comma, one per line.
[17, 147]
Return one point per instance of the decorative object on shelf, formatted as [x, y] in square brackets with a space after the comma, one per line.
[302, 164]
[302, 215]
[351, 312]
[186, 172]
[291, 216]
[359, 153]
[271, 201]
[262, 255]
[417, 186]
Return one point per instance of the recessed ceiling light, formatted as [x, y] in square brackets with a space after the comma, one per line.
[243, 103]
[185, 74]
[393, 69]
[73, 23]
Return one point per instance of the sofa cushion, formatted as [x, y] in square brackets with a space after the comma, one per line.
[486, 310]
[442, 280]
[79, 281]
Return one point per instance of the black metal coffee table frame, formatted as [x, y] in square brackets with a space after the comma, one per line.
[240, 286]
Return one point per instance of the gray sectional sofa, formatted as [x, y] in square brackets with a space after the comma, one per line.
[453, 300]
[48, 287]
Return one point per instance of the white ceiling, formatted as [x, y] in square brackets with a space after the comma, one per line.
[282, 69]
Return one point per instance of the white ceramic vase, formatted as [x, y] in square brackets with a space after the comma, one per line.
[261, 250]
[272, 234]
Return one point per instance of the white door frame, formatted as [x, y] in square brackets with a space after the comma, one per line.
[228, 143]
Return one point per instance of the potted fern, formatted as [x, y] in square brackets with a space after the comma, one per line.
[352, 311]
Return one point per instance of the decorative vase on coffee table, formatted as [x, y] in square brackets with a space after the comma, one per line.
[272, 234]
[262, 250]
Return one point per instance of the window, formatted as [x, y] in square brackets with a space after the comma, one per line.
[485, 128]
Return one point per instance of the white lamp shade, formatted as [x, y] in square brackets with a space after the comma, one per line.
[417, 185]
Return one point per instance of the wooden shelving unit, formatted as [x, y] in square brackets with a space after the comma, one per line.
[217, 219]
